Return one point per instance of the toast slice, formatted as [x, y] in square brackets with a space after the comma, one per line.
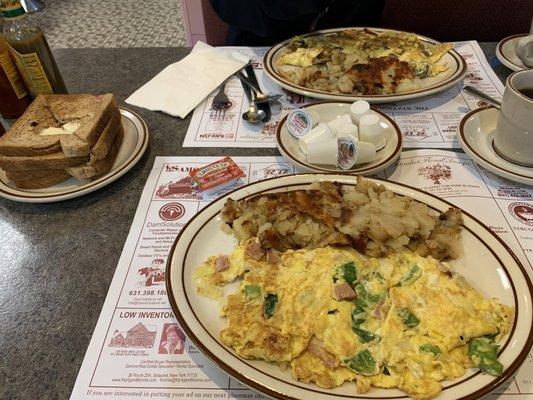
[56, 161]
[77, 119]
[104, 143]
[37, 179]
[23, 139]
[96, 168]
[59, 160]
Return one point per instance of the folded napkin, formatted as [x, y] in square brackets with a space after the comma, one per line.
[183, 85]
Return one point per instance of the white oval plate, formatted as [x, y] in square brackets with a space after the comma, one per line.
[506, 52]
[328, 110]
[455, 73]
[476, 134]
[488, 264]
[131, 150]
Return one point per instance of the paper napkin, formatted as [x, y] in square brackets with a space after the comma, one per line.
[183, 85]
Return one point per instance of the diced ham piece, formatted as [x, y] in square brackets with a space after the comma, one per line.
[273, 257]
[378, 311]
[343, 291]
[254, 251]
[221, 263]
[316, 347]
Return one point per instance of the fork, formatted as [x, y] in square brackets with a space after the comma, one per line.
[221, 102]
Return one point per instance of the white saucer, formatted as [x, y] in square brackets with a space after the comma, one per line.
[328, 110]
[476, 133]
[506, 52]
[131, 150]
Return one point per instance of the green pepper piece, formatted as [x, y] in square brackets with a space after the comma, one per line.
[358, 316]
[251, 291]
[414, 273]
[365, 298]
[409, 319]
[484, 353]
[348, 272]
[363, 363]
[364, 336]
[491, 336]
[271, 299]
[430, 348]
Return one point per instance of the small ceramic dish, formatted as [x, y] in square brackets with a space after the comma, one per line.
[328, 110]
[506, 52]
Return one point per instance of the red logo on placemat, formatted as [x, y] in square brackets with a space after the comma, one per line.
[522, 212]
[436, 173]
[171, 211]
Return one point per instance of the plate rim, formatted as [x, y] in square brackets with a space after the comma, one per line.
[272, 74]
[504, 60]
[478, 158]
[368, 170]
[111, 176]
[258, 386]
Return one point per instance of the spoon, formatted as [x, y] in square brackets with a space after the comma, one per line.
[259, 97]
[265, 98]
[254, 115]
[483, 96]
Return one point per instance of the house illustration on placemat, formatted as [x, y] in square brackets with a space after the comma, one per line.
[138, 336]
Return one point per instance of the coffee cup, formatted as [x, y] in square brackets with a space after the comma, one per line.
[513, 138]
[524, 50]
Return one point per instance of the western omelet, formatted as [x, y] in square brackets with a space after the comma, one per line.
[361, 61]
[334, 315]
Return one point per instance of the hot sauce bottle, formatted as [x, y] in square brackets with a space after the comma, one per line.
[14, 96]
[30, 50]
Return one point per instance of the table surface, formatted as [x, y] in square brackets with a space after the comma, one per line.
[57, 260]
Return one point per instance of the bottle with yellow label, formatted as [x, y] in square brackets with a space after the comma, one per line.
[14, 96]
[30, 50]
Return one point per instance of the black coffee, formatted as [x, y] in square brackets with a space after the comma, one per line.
[528, 92]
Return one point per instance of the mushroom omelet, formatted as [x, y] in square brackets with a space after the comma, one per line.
[334, 316]
[361, 61]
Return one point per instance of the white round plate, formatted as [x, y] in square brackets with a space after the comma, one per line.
[476, 133]
[131, 150]
[488, 264]
[328, 110]
[455, 73]
[506, 52]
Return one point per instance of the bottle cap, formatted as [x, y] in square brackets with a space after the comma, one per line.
[370, 130]
[358, 109]
[323, 152]
[299, 123]
[318, 133]
[11, 8]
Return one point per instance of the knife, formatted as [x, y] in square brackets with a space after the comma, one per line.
[261, 106]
